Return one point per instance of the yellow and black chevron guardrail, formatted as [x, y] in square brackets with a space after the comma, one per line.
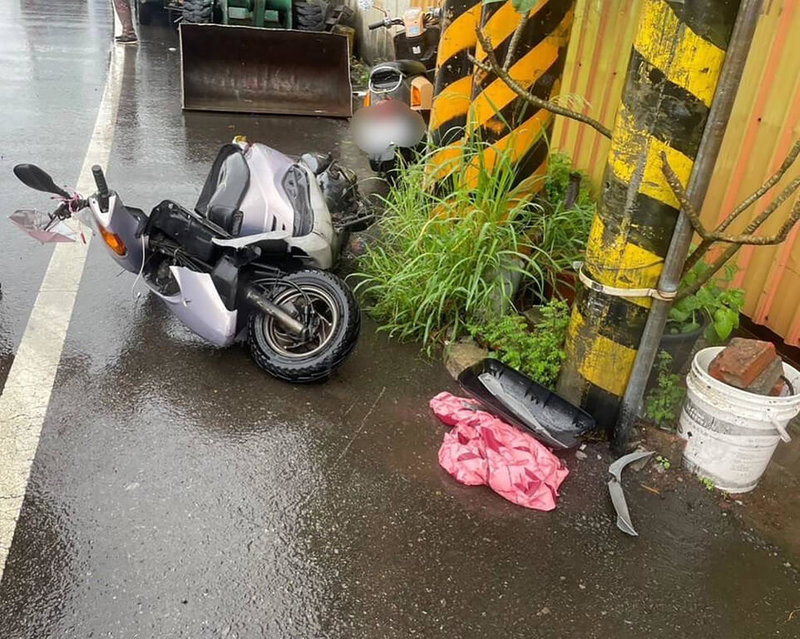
[672, 76]
[453, 85]
[500, 117]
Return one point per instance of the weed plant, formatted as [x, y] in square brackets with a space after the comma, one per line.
[450, 256]
[538, 353]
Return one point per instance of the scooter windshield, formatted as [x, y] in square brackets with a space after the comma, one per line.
[41, 227]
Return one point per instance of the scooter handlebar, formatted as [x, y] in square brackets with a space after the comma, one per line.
[386, 22]
[100, 181]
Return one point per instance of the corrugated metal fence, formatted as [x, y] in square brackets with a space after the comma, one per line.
[764, 125]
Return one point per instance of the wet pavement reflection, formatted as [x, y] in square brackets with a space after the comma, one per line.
[180, 492]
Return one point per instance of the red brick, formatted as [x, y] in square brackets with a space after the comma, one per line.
[780, 388]
[766, 381]
[742, 361]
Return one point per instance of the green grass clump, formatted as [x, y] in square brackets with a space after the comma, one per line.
[452, 257]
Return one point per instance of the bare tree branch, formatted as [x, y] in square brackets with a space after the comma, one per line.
[768, 240]
[512, 47]
[696, 255]
[706, 242]
[683, 197]
[492, 66]
[717, 235]
[732, 249]
[787, 163]
[690, 211]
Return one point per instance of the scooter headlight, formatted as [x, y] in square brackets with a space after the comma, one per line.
[113, 241]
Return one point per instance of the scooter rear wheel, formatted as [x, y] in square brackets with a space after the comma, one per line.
[337, 324]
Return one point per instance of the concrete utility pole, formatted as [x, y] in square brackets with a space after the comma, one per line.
[724, 98]
[473, 102]
[672, 76]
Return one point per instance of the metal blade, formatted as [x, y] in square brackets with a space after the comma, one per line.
[255, 70]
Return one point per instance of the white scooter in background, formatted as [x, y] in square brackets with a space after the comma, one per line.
[398, 101]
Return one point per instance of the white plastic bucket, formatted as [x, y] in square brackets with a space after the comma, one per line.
[731, 434]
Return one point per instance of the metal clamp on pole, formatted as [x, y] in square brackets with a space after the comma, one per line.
[614, 291]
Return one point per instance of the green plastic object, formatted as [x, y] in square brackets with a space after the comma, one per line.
[258, 13]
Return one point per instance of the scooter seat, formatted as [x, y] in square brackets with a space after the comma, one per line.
[224, 189]
[406, 67]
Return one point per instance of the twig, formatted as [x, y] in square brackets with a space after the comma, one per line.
[731, 250]
[655, 491]
[494, 67]
[696, 255]
[512, 47]
[764, 240]
[743, 238]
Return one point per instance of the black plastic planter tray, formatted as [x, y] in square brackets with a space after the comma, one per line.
[521, 401]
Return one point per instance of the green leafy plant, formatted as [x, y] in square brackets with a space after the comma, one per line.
[448, 258]
[713, 305]
[708, 483]
[538, 352]
[664, 462]
[663, 402]
[524, 6]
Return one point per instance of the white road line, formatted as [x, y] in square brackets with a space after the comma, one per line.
[23, 404]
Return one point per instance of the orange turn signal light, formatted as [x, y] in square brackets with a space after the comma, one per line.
[416, 97]
[367, 99]
[113, 241]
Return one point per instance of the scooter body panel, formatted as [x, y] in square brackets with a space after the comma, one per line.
[120, 221]
[265, 206]
[199, 306]
[268, 213]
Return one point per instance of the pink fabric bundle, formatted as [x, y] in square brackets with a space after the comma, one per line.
[482, 449]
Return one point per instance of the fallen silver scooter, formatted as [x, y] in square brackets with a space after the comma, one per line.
[250, 262]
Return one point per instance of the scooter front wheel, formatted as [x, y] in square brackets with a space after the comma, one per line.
[327, 305]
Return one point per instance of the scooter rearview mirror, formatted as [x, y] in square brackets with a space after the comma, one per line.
[34, 177]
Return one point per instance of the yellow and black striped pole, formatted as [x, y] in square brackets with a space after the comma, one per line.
[672, 75]
[500, 117]
[453, 84]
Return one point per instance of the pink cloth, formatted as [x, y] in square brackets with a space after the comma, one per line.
[482, 449]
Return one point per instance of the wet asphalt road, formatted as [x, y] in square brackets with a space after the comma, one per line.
[179, 492]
